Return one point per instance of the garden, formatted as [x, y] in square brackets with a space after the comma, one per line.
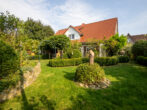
[68, 81]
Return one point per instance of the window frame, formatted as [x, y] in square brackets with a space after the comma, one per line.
[72, 36]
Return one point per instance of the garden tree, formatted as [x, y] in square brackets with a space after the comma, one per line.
[36, 30]
[59, 42]
[114, 44]
[31, 46]
[8, 22]
[73, 51]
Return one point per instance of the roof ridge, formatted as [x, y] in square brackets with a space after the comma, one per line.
[99, 21]
[139, 35]
[90, 23]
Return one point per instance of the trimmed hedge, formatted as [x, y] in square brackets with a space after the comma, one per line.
[142, 60]
[89, 74]
[123, 59]
[65, 62]
[106, 61]
[103, 61]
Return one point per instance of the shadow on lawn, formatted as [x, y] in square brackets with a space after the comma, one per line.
[129, 93]
[69, 75]
[33, 103]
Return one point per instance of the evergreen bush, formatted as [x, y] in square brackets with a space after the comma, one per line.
[9, 61]
[89, 74]
[123, 59]
[142, 60]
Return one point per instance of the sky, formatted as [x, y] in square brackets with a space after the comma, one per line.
[59, 14]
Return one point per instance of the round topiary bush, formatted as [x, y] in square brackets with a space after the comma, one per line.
[89, 74]
[9, 61]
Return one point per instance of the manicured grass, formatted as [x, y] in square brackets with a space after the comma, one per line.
[55, 89]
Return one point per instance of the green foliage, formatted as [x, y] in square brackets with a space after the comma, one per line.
[58, 41]
[75, 53]
[32, 45]
[126, 50]
[8, 22]
[9, 62]
[54, 43]
[103, 61]
[72, 51]
[123, 59]
[64, 62]
[142, 60]
[89, 74]
[36, 30]
[114, 44]
[140, 48]
[10, 81]
[106, 61]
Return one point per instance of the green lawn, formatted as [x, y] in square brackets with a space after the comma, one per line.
[55, 89]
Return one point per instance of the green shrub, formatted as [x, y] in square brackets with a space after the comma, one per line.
[85, 60]
[142, 60]
[106, 61]
[89, 74]
[75, 53]
[36, 57]
[140, 48]
[123, 59]
[65, 62]
[103, 61]
[9, 61]
[10, 81]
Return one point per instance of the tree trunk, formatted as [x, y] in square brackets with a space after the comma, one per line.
[91, 57]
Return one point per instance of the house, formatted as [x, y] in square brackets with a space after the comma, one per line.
[133, 38]
[84, 33]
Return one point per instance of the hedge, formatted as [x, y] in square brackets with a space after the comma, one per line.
[103, 61]
[65, 62]
[123, 59]
[106, 61]
[142, 60]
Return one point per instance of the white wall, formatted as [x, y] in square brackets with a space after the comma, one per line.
[72, 31]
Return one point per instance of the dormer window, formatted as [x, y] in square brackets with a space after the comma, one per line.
[72, 36]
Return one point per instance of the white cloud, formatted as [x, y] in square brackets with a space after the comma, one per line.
[71, 12]
[134, 25]
[75, 12]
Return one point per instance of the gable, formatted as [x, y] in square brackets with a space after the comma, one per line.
[70, 31]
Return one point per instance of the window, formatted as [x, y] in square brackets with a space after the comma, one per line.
[72, 36]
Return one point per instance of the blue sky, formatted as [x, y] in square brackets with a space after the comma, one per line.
[131, 14]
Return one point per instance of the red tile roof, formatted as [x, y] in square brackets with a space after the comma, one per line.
[98, 30]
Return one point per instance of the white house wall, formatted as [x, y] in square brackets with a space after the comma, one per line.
[72, 31]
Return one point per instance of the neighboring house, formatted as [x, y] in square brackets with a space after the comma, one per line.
[134, 38]
[94, 31]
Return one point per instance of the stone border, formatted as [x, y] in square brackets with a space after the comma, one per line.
[101, 85]
[28, 79]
